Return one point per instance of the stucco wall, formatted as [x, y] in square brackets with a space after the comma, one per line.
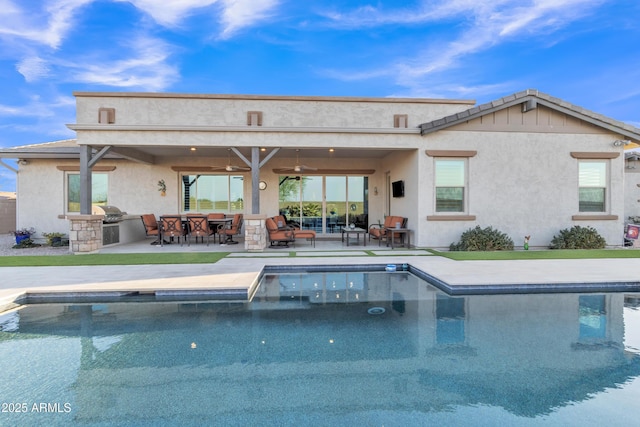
[279, 111]
[632, 190]
[524, 184]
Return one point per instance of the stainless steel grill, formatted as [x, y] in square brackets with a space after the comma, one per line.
[111, 213]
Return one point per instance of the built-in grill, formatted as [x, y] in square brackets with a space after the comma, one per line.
[111, 213]
[111, 227]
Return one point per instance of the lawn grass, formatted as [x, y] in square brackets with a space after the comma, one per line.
[542, 254]
[212, 257]
[111, 259]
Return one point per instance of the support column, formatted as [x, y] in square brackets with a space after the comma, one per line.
[85, 233]
[255, 233]
[85, 180]
[255, 180]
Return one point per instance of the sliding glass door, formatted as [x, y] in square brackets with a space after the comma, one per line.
[325, 203]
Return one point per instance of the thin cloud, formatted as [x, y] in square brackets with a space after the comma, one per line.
[234, 15]
[238, 14]
[170, 13]
[33, 68]
[37, 107]
[483, 25]
[146, 68]
[47, 25]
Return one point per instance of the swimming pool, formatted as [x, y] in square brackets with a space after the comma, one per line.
[326, 348]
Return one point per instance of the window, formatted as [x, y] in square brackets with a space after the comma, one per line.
[99, 190]
[592, 183]
[450, 185]
[450, 320]
[593, 317]
[212, 193]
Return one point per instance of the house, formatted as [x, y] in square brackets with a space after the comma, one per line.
[526, 164]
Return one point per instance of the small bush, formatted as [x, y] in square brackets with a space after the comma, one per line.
[478, 239]
[54, 239]
[578, 238]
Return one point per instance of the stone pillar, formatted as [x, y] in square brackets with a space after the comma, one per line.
[85, 233]
[255, 233]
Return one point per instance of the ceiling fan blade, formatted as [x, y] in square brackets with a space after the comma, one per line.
[229, 168]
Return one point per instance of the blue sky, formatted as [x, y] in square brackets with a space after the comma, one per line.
[586, 52]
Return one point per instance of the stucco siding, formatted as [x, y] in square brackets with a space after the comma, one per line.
[40, 197]
[632, 191]
[523, 194]
[287, 113]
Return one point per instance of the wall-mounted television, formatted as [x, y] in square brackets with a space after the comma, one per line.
[397, 188]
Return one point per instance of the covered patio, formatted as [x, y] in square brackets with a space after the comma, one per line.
[324, 247]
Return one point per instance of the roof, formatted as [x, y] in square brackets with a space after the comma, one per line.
[530, 98]
[63, 149]
[387, 100]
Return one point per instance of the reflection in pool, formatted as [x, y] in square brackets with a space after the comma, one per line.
[309, 350]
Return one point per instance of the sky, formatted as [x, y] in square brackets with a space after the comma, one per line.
[586, 52]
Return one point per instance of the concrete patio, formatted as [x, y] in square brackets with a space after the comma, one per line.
[236, 276]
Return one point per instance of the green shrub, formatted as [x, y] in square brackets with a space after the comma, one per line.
[578, 238]
[26, 243]
[54, 239]
[478, 239]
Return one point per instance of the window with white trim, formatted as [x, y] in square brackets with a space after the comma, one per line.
[99, 190]
[450, 185]
[592, 185]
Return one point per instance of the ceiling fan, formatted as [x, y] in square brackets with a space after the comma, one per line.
[229, 167]
[298, 167]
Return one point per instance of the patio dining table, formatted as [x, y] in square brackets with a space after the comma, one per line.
[213, 225]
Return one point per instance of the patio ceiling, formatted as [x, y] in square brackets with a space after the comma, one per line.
[289, 152]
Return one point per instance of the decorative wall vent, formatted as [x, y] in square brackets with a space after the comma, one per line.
[106, 115]
[400, 120]
[254, 118]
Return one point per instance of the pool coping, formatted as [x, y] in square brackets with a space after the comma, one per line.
[229, 280]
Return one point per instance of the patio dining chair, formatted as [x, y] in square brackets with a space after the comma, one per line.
[379, 231]
[227, 232]
[215, 219]
[151, 228]
[198, 226]
[171, 227]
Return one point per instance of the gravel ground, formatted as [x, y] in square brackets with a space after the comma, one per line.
[7, 241]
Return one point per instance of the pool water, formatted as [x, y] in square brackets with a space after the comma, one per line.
[340, 348]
